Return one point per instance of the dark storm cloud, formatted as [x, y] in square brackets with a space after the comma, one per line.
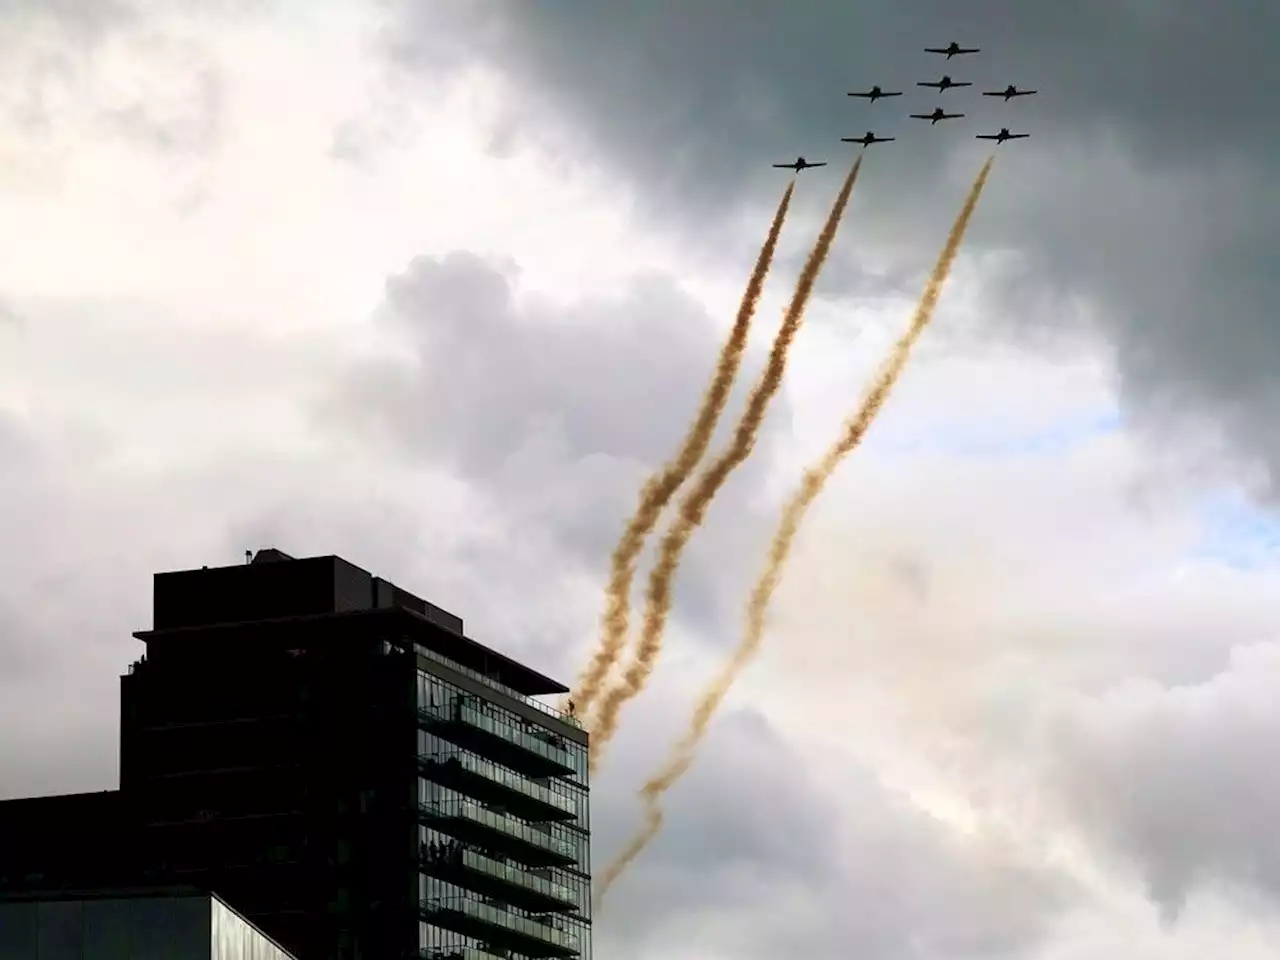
[557, 413]
[612, 379]
[1146, 187]
[730, 813]
[758, 859]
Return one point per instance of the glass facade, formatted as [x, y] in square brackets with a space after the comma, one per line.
[424, 651]
[504, 851]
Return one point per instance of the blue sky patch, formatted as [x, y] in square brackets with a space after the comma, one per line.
[980, 441]
[1237, 532]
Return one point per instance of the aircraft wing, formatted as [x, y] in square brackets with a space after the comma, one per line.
[929, 83]
[963, 83]
[993, 93]
[986, 136]
[824, 163]
[1023, 93]
[969, 50]
[950, 116]
[786, 166]
[1017, 136]
[936, 50]
[867, 95]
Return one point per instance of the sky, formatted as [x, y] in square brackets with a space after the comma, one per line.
[434, 286]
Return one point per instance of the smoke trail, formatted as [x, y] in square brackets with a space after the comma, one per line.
[651, 799]
[815, 478]
[694, 506]
[662, 485]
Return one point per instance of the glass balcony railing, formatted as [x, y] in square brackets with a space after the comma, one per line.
[517, 877]
[509, 826]
[495, 916]
[456, 953]
[509, 779]
[546, 708]
[472, 716]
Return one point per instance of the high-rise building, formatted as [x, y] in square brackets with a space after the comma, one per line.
[338, 761]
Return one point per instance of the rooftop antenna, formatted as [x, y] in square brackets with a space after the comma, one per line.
[248, 556]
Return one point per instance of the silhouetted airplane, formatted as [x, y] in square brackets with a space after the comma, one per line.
[1002, 136]
[868, 140]
[800, 164]
[1007, 92]
[875, 93]
[951, 49]
[945, 83]
[935, 116]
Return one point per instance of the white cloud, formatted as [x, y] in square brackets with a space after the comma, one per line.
[1000, 611]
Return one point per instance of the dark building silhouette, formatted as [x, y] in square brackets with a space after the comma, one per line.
[336, 759]
[133, 924]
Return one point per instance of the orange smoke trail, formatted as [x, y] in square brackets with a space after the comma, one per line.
[662, 485]
[694, 506]
[651, 798]
[815, 479]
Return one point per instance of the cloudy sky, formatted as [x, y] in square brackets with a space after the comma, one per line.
[433, 285]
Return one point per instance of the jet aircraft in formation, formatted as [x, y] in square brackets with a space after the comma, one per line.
[946, 83]
[1008, 92]
[800, 164]
[875, 93]
[952, 49]
[868, 140]
[1002, 136]
[934, 117]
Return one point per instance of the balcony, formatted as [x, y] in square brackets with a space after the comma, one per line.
[496, 831]
[501, 881]
[524, 935]
[479, 778]
[546, 708]
[455, 953]
[518, 749]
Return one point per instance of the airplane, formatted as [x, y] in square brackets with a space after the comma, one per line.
[866, 141]
[1007, 92]
[800, 164]
[875, 93]
[1002, 136]
[951, 49]
[945, 83]
[935, 116]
